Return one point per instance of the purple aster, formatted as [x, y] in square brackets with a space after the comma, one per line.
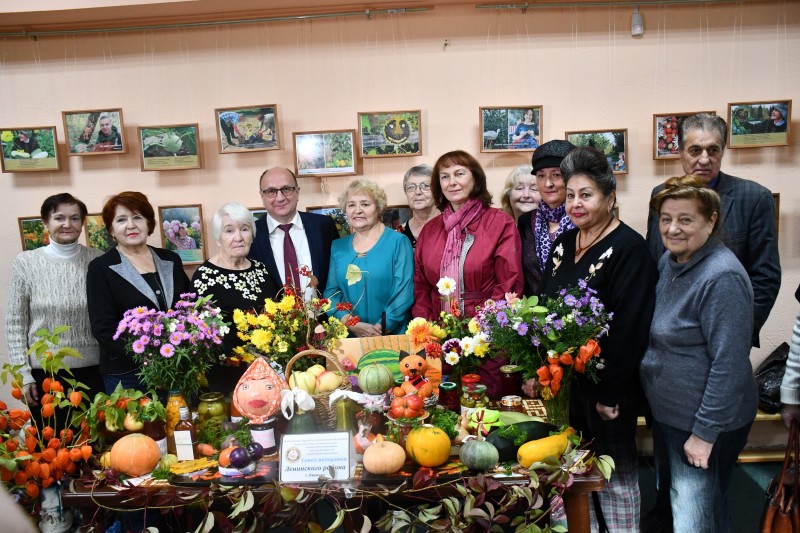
[138, 346]
[167, 350]
[570, 300]
[175, 338]
[582, 284]
[502, 318]
[522, 328]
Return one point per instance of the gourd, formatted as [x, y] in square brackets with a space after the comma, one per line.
[478, 454]
[538, 450]
[428, 445]
[384, 457]
[375, 379]
[135, 454]
[531, 430]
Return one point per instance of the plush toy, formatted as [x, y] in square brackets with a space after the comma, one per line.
[413, 368]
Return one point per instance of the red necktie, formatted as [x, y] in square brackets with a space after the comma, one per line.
[290, 257]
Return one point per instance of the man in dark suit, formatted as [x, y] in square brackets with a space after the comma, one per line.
[748, 229]
[311, 234]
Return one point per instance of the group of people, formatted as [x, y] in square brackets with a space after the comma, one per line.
[710, 248]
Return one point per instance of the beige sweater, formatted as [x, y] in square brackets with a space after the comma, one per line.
[47, 291]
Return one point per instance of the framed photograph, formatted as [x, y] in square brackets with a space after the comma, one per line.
[97, 236]
[613, 143]
[32, 233]
[95, 132]
[395, 216]
[182, 232]
[30, 149]
[247, 128]
[258, 212]
[170, 147]
[338, 216]
[325, 153]
[390, 133]
[665, 133]
[757, 124]
[508, 129]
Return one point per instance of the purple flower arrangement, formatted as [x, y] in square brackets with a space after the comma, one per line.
[177, 347]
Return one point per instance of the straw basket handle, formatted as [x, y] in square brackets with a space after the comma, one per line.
[327, 355]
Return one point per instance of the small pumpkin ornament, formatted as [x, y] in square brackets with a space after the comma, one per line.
[257, 396]
[135, 455]
[383, 457]
[479, 454]
[428, 445]
[375, 379]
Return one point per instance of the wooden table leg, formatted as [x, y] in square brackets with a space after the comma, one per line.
[577, 505]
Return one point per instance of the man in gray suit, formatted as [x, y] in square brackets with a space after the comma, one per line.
[748, 229]
[748, 211]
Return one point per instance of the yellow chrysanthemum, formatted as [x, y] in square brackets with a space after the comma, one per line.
[270, 307]
[287, 304]
[239, 350]
[238, 316]
[248, 358]
[481, 349]
[473, 326]
[283, 347]
[261, 339]
[251, 320]
[7, 136]
[263, 321]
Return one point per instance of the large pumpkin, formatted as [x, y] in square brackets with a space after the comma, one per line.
[384, 457]
[428, 445]
[375, 379]
[135, 455]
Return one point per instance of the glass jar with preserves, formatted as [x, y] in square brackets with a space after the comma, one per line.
[511, 402]
[510, 380]
[448, 396]
[474, 398]
[211, 406]
[468, 381]
[173, 415]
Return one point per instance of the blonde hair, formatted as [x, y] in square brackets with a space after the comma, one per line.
[365, 186]
[511, 182]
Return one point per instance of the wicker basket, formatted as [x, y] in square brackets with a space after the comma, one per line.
[325, 416]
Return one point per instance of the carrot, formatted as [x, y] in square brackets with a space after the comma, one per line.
[205, 449]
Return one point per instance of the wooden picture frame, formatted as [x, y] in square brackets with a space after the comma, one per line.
[508, 129]
[325, 153]
[171, 147]
[390, 133]
[97, 236]
[338, 216]
[665, 133]
[29, 149]
[183, 231]
[33, 233]
[86, 136]
[751, 124]
[607, 141]
[258, 212]
[258, 129]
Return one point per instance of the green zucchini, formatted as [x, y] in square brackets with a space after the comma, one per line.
[531, 431]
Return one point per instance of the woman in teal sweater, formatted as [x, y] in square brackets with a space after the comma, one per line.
[372, 269]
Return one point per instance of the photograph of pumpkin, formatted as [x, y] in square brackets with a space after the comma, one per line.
[390, 133]
[170, 147]
[32, 233]
[97, 236]
[94, 132]
[325, 153]
[665, 132]
[247, 129]
[613, 143]
[182, 231]
[29, 149]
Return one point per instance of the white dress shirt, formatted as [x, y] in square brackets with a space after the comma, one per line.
[301, 248]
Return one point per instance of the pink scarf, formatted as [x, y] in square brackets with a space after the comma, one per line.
[455, 223]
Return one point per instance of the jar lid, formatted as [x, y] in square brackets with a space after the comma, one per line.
[447, 385]
[470, 378]
[211, 397]
[510, 369]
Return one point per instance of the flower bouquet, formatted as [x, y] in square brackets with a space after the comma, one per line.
[175, 348]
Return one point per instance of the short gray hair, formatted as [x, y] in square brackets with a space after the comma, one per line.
[365, 186]
[592, 163]
[237, 212]
[417, 170]
[705, 122]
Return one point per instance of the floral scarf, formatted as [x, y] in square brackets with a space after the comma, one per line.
[455, 224]
[544, 215]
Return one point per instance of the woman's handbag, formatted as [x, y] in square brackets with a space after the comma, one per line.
[782, 512]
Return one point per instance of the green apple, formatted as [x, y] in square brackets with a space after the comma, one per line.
[132, 423]
[303, 381]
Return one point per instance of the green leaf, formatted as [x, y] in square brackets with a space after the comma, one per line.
[366, 527]
[336, 522]
[243, 505]
[206, 525]
[69, 352]
[353, 274]
[605, 463]
[58, 330]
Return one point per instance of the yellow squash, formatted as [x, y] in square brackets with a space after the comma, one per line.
[539, 449]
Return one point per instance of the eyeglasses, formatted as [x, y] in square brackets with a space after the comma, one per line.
[286, 191]
[424, 187]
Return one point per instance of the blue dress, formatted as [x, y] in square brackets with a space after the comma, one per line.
[387, 282]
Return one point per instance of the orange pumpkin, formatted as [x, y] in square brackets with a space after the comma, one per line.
[135, 454]
[428, 445]
[384, 457]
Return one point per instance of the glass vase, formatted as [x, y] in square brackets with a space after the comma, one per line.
[558, 408]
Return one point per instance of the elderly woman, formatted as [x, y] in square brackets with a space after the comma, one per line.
[48, 289]
[234, 281]
[379, 260]
[417, 184]
[470, 242]
[700, 346]
[132, 274]
[519, 193]
[614, 260]
[539, 228]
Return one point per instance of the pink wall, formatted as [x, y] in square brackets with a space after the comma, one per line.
[581, 64]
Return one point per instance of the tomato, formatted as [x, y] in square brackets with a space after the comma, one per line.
[415, 402]
[401, 408]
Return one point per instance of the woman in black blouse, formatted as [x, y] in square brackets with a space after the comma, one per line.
[614, 260]
[417, 185]
[234, 281]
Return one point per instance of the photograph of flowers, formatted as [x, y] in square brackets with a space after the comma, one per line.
[97, 236]
[182, 232]
[32, 233]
